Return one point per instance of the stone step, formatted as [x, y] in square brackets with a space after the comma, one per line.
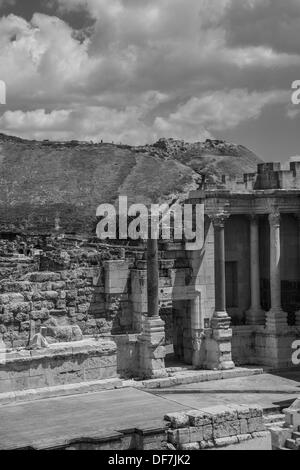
[296, 435]
[291, 444]
[172, 370]
[60, 390]
[195, 376]
[271, 425]
[274, 418]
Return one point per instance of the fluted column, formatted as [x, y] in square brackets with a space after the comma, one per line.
[276, 318]
[220, 317]
[255, 315]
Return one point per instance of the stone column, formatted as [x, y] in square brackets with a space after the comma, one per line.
[152, 339]
[255, 315]
[152, 278]
[276, 318]
[219, 344]
[220, 317]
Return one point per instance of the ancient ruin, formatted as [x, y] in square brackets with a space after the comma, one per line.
[76, 311]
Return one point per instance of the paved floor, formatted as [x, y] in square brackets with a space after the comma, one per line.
[257, 383]
[23, 424]
[267, 390]
[27, 423]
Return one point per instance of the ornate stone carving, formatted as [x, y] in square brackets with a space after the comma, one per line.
[219, 219]
[274, 219]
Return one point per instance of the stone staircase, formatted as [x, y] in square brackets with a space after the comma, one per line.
[293, 443]
[286, 435]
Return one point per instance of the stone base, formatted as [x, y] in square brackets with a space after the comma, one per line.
[152, 349]
[276, 320]
[59, 364]
[220, 320]
[219, 350]
[259, 345]
[255, 316]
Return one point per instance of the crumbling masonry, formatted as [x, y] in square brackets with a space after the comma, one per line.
[74, 310]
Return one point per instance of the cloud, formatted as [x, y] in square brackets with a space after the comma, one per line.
[218, 111]
[253, 23]
[87, 123]
[143, 68]
[7, 2]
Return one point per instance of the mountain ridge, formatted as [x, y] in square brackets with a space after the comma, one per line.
[50, 185]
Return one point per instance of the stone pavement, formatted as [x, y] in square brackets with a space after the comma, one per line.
[82, 415]
[267, 390]
[24, 424]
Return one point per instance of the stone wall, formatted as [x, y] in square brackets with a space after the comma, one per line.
[257, 346]
[65, 302]
[65, 293]
[182, 332]
[58, 365]
[216, 426]
[243, 345]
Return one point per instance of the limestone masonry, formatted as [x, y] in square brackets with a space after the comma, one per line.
[75, 310]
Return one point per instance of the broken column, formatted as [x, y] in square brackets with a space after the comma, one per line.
[152, 339]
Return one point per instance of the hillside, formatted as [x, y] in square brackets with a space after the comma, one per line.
[45, 184]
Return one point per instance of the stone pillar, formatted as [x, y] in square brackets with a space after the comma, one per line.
[152, 278]
[220, 317]
[255, 315]
[152, 339]
[276, 318]
[219, 345]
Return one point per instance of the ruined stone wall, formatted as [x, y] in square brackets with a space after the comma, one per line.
[61, 301]
[69, 300]
[216, 426]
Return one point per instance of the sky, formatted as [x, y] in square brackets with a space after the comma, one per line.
[133, 71]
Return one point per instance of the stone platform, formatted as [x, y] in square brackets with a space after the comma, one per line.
[128, 417]
[61, 365]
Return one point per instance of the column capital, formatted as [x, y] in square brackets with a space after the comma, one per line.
[274, 219]
[219, 219]
[253, 218]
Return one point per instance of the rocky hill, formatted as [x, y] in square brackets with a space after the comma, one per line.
[47, 186]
